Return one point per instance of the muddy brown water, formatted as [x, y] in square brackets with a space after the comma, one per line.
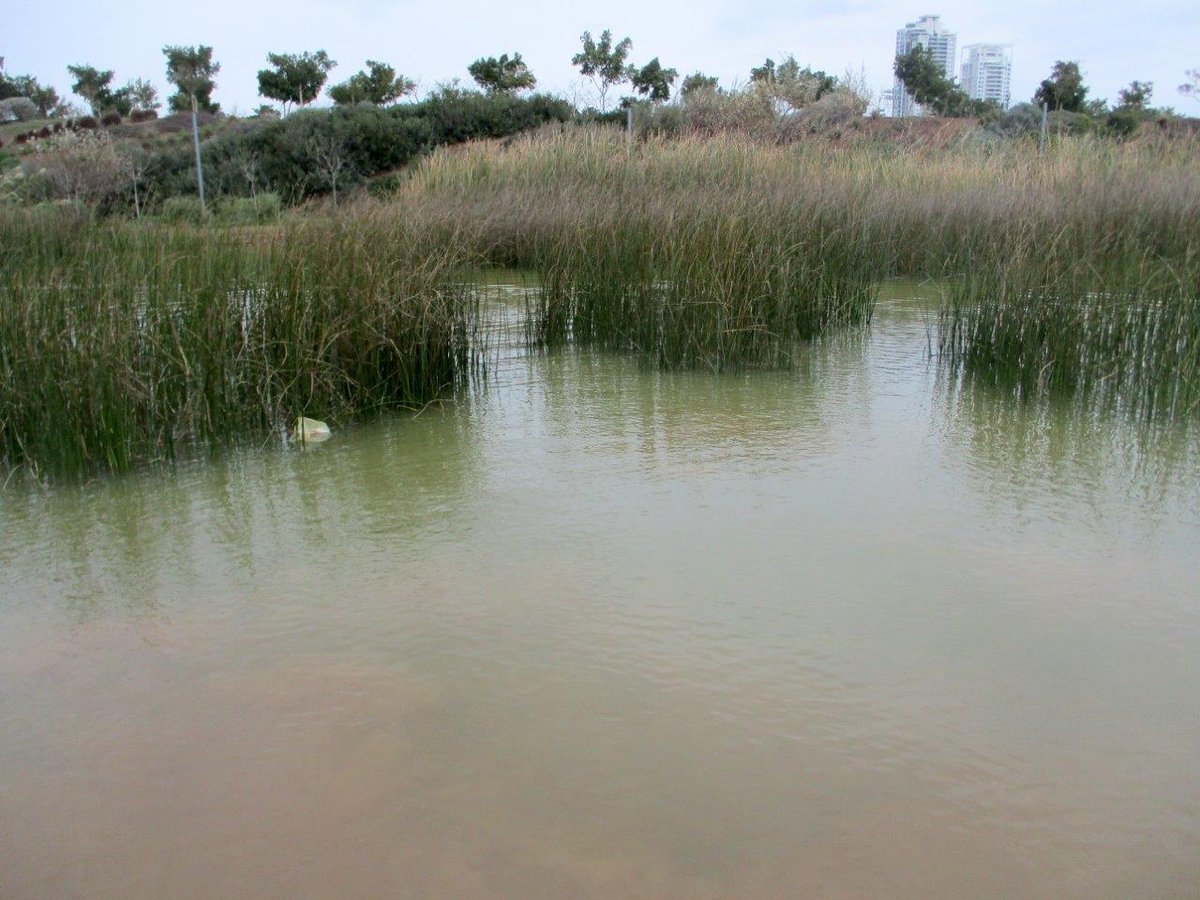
[597, 631]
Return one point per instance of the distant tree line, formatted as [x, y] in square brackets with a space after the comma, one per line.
[296, 80]
[291, 152]
[1063, 92]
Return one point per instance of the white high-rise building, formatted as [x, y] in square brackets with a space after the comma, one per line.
[987, 71]
[929, 33]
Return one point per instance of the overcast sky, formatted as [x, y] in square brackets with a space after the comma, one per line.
[434, 42]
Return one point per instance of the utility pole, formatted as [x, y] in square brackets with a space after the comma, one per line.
[199, 167]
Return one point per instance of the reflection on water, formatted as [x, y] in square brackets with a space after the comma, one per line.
[1024, 443]
[845, 631]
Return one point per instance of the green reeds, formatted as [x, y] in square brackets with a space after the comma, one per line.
[1073, 272]
[703, 288]
[1124, 338]
[122, 344]
[695, 254]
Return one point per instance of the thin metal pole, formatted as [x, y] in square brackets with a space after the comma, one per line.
[1042, 132]
[629, 126]
[199, 167]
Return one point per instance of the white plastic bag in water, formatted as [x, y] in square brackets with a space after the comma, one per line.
[310, 431]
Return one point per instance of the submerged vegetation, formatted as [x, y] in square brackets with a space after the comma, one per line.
[1075, 272]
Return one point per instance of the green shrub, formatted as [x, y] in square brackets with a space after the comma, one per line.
[285, 156]
[249, 210]
[1060, 122]
[179, 210]
[1024, 118]
[384, 186]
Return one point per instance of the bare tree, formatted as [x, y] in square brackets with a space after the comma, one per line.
[132, 160]
[1191, 87]
[328, 154]
[249, 164]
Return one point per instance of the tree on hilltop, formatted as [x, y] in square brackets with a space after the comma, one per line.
[1191, 86]
[698, 83]
[1064, 89]
[652, 81]
[924, 79]
[789, 84]
[295, 78]
[378, 84]
[143, 96]
[192, 71]
[1133, 107]
[603, 62]
[11, 86]
[92, 85]
[503, 75]
[1137, 95]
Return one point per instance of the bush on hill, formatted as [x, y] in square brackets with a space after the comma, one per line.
[303, 154]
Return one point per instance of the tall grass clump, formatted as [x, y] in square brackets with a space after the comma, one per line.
[1090, 287]
[713, 288]
[122, 344]
[709, 254]
[1127, 338]
[1072, 271]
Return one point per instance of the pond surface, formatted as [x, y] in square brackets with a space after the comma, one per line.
[596, 631]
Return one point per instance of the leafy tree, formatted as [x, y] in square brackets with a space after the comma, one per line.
[181, 102]
[143, 96]
[1137, 95]
[20, 109]
[1191, 86]
[502, 76]
[44, 98]
[92, 85]
[120, 101]
[603, 62]
[652, 81]
[698, 83]
[764, 74]
[1133, 107]
[924, 79]
[1064, 89]
[791, 85]
[192, 71]
[378, 84]
[295, 77]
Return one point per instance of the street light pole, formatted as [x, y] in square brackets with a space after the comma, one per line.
[199, 167]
